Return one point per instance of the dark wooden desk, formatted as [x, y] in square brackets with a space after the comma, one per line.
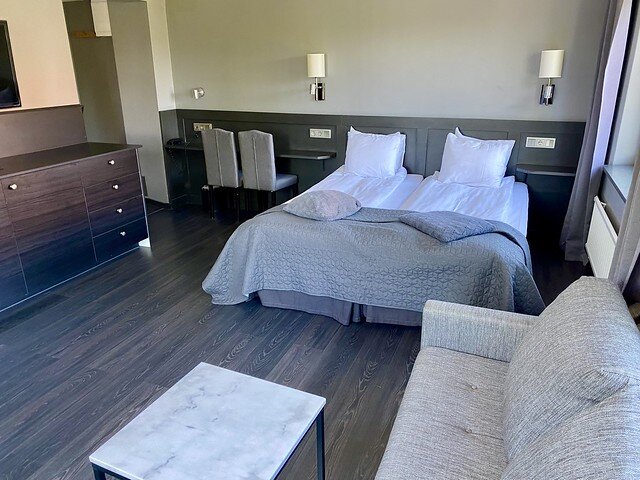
[549, 170]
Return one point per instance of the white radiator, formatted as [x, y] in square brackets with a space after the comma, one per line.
[601, 241]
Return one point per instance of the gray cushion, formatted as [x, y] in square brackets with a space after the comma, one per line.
[447, 226]
[600, 442]
[323, 205]
[584, 348]
[284, 180]
[449, 425]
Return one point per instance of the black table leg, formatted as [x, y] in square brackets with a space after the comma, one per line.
[98, 473]
[320, 444]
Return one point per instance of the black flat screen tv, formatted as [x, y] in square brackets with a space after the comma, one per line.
[9, 95]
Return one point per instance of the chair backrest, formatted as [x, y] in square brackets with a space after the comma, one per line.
[258, 160]
[220, 158]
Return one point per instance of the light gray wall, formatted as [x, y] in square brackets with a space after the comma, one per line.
[95, 67]
[437, 58]
[134, 63]
[625, 140]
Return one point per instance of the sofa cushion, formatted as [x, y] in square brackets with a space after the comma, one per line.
[449, 425]
[584, 348]
[602, 441]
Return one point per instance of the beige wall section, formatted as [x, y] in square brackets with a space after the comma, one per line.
[161, 53]
[462, 58]
[41, 52]
[134, 64]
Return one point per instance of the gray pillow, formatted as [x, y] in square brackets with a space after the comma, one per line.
[583, 349]
[323, 205]
[447, 226]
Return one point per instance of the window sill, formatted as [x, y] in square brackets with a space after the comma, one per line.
[621, 177]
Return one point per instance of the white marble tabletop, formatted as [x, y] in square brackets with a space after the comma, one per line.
[212, 424]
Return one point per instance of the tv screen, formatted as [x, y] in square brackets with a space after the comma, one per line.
[9, 96]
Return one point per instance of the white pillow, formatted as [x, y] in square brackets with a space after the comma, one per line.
[475, 162]
[373, 155]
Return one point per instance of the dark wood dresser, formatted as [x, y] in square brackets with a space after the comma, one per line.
[64, 211]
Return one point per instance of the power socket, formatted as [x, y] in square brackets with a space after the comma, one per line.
[320, 133]
[541, 142]
[201, 127]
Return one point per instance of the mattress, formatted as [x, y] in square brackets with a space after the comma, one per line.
[508, 203]
[371, 192]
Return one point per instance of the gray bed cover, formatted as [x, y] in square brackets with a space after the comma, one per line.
[371, 258]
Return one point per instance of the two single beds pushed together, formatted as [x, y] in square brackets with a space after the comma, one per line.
[371, 265]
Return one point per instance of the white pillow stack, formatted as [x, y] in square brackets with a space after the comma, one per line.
[475, 162]
[374, 155]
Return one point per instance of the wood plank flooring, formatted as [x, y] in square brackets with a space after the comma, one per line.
[77, 363]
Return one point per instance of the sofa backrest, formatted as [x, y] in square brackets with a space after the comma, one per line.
[584, 349]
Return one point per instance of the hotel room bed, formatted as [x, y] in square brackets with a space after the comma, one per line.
[371, 266]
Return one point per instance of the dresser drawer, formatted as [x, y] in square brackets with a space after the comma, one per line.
[120, 240]
[109, 193]
[35, 188]
[111, 217]
[104, 168]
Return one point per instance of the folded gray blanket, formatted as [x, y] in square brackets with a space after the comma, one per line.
[372, 258]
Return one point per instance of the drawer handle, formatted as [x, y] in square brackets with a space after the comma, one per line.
[13, 186]
[119, 210]
[123, 234]
[116, 186]
[111, 162]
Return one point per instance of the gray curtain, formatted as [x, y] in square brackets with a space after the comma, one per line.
[598, 130]
[625, 269]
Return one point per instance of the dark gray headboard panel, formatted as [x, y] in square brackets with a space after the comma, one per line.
[425, 136]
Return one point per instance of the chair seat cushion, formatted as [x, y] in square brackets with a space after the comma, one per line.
[284, 180]
[449, 425]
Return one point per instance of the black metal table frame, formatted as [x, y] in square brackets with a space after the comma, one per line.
[100, 473]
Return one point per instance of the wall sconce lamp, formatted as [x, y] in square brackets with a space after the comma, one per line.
[316, 70]
[197, 93]
[551, 62]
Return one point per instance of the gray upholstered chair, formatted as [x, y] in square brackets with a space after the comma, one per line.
[221, 162]
[259, 165]
[497, 395]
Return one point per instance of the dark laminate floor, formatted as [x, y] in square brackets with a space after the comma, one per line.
[81, 360]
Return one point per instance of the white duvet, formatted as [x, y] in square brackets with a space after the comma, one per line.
[371, 192]
[482, 202]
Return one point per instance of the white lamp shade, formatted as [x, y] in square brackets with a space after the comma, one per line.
[315, 65]
[551, 62]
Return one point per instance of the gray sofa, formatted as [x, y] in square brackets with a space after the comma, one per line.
[496, 395]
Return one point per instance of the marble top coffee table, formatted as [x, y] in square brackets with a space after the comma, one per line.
[214, 424]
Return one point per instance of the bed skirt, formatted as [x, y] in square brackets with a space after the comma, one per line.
[343, 311]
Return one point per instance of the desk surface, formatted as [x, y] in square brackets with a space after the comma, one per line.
[550, 170]
[287, 154]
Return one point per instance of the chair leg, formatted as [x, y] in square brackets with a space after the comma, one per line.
[236, 201]
[210, 189]
[296, 191]
[274, 199]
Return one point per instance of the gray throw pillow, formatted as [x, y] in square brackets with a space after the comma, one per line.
[583, 349]
[447, 226]
[323, 205]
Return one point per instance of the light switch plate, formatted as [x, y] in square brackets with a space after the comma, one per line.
[199, 127]
[320, 133]
[541, 142]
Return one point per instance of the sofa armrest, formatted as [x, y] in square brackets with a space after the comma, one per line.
[478, 331]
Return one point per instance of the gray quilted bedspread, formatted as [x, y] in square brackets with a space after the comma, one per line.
[371, 258]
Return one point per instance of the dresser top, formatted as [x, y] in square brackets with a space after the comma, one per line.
[30, 162]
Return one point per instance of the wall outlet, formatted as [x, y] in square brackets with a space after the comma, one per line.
[320, 132]
[199, 127]
[541, 142]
